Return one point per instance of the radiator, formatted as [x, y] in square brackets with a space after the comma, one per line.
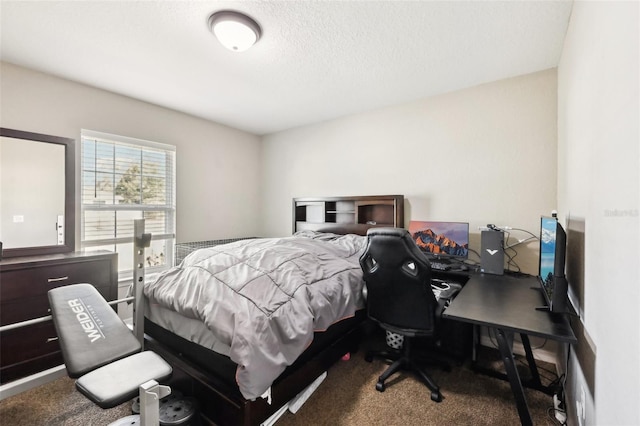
[183, 249]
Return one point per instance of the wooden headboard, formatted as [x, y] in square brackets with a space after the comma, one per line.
[348, 215]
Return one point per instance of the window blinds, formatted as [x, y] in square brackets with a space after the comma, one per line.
[125, 179]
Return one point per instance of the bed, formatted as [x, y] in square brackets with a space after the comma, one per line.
[248, 325]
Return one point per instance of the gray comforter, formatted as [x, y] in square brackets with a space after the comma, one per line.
[266, 297]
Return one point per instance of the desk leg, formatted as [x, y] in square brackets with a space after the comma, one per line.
[474, 347]
[506, 352]
[535, 376]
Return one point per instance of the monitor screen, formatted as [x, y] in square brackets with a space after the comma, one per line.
[548, 227]
[441, 238]
[552, 258]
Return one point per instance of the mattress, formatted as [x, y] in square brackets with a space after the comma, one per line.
[189, 329]
[260, 302]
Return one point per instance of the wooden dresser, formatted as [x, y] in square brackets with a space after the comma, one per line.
[24, 282]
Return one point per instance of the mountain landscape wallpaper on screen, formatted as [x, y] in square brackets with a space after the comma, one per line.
[547, 249]
[432, 242]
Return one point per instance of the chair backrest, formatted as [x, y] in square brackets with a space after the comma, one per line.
[398, 278]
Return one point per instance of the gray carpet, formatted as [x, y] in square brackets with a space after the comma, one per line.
[346, 397]
[56, 403]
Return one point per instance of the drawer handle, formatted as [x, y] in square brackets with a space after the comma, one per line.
[54, 280]
[51, 339]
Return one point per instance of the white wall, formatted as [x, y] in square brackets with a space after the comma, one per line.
[217, 166]
[487, 154]
[599, 181]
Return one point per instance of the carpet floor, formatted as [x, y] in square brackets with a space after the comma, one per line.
[346, 397]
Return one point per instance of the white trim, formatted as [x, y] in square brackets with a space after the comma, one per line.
[168, 208]
[107, 137]
[21, 385]
[518, 349]
[124, 240]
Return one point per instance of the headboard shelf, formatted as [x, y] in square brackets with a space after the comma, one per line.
[353, 215]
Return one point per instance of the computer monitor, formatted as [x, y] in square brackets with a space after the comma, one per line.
[441, 239]
[553, 246]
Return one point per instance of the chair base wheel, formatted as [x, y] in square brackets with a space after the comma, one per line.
[380, 387]
[436, 396]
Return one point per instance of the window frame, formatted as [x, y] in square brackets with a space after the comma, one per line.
[168, 208]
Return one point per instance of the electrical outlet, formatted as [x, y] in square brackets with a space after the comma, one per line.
[560, 415]
[579, 413]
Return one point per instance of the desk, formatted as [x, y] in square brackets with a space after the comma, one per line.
[508, 304]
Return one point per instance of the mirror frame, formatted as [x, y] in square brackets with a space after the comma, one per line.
[69, 195]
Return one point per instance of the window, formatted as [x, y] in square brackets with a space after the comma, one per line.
[125, 179]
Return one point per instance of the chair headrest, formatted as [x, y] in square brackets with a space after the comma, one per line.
[393, 246]
[392, 232]
[398, 276]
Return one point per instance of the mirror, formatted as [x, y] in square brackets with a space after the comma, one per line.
[37, 193]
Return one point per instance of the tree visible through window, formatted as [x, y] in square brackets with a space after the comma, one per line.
[133, 187]
[124, 179]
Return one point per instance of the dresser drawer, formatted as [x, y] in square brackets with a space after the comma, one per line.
[30, 342]
[21, 310]
[12, 372]
[37, 281]
[18, 310]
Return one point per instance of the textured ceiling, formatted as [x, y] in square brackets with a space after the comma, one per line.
[316, 60]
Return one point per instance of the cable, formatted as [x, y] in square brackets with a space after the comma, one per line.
[551, 379]
[510, 259]
[474, 252]
[551, 413]
[493, 340]
[511, 263]
[528, 232]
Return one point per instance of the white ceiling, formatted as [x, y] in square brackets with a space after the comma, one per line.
[316, 60]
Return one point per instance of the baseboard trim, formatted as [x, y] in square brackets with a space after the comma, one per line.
[21, 385]
[541, 354]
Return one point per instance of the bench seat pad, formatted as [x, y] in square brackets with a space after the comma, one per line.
[119, 381]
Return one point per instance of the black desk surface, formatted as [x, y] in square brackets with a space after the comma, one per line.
[508, 302]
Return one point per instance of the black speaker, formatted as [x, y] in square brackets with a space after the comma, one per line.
[492, 254]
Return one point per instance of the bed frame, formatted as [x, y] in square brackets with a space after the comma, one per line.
[222, 404]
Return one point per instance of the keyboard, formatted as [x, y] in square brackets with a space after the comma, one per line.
[439, 266]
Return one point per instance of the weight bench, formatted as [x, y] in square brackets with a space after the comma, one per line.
[103, 354]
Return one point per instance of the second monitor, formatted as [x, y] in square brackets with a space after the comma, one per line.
[442, 241]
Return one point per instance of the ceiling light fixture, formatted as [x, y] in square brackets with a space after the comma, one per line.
[234, 30]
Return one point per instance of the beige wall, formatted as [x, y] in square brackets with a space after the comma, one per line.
[217, 166]
[487, 154]
[599, 184]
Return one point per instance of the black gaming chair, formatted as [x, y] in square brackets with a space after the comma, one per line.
[399, 297]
